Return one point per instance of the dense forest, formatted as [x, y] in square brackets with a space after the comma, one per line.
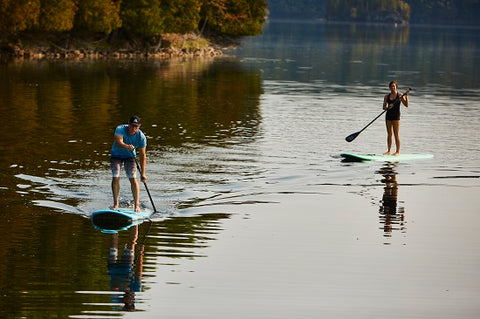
[140, 21]
[413, 11]
[140, 17]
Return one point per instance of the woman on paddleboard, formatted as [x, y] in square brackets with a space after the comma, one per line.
[127, 138]
[391, 103]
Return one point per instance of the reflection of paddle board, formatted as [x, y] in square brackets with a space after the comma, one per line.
[112, 221]
[348, 157]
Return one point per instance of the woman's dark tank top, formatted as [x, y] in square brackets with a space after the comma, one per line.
[393, 114]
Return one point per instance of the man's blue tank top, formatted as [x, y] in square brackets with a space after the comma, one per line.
[138, 140]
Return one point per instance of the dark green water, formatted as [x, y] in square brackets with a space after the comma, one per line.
[259, 216]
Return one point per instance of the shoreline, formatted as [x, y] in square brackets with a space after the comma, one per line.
[39, 53]
[69, 47]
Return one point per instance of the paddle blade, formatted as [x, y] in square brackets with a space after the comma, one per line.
[351, 137]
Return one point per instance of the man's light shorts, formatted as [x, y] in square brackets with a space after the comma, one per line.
[128, 164]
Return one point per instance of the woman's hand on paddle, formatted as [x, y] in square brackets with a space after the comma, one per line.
[404, 97]
[143, 178]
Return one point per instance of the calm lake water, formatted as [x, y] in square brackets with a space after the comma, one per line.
[259, 216]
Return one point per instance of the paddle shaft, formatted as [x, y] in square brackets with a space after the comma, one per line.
[371, 122]
[144, 183]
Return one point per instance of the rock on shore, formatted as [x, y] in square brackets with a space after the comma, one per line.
[42, 53]
[167, 46]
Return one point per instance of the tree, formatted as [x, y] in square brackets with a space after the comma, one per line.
[143, 17]
[235, 17]
[18, 15]
[296, 9]
[181, 16]
[98, 16]
[445, 11]
[57, 15]
[368, 10]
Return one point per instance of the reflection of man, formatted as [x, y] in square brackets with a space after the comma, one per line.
[122, 275]
[388, 209]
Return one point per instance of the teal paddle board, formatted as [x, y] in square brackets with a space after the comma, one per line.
[115, 220]
[349, 157]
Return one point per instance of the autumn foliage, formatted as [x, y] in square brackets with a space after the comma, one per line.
[144, 18]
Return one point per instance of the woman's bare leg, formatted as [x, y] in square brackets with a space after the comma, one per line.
[389, 126]
[396, 130]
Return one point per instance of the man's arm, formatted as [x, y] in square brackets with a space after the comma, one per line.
[121, 144]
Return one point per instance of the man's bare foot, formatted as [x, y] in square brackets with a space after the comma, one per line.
[386, 153]
[137, 209]
[114, 207]
[396, 154]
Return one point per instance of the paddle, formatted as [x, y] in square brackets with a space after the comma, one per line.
[144, 183]
[353, 136]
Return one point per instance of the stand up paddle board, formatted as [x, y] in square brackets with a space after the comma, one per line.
[349, 157]
[115, 220]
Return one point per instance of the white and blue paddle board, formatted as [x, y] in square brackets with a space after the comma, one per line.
[350, 157]
[115, 220]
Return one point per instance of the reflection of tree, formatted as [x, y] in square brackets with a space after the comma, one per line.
[182, 236]
[367, 37]
[194, 104]
[391, 216]
[63, 111]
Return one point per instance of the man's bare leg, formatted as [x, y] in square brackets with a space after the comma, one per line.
[115, 191]
[135, 193]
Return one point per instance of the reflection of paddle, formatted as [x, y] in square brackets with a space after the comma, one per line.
[144, 183]
[353, 136]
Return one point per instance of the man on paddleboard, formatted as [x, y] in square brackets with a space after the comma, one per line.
[127, 138]
[391, 103]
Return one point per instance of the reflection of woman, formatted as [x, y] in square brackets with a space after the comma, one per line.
[391, 103]
[389, 216]
[122, 276]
